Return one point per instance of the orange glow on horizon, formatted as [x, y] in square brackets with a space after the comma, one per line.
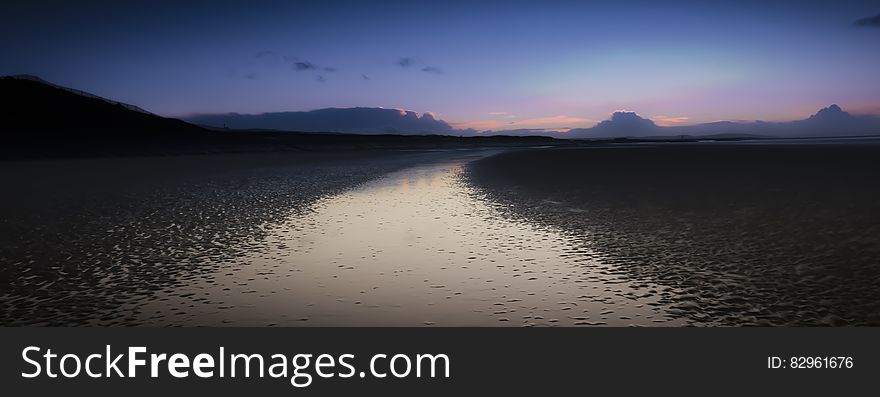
[666, 121]
[557, 123]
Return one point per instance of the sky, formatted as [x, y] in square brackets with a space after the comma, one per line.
[491, 65]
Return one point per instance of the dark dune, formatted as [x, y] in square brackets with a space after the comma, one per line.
[744, 234]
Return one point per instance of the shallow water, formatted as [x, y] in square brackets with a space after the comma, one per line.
[416, 247]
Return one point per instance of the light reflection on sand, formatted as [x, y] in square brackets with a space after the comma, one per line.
[417, 247]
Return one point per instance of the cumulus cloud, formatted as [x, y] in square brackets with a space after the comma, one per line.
[623, 123]
[830, 121]
[869, 22]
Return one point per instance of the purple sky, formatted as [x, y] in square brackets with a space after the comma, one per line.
[496, 65]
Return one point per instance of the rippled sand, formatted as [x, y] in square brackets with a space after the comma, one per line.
[736, 234]
[89, 241]
[314, 243]
[417, 247]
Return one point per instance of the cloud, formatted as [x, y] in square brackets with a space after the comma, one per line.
[405, 62]
[301, 65]
[432, 69]
[304, 66]
[408, 62]
[365, 77]
[502, 115]
[869, 22]
[666, 121]
[265, 60]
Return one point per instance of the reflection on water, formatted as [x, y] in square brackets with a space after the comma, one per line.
[417, 247]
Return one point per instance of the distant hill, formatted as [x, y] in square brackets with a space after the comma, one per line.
[359, 120]
[831, 121]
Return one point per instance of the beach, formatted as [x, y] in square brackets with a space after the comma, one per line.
[330, 239]
[617, 235]
[85, 239]
[740, 234]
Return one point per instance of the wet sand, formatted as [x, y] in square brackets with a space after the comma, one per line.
[83, 240]
[392, 239]
[418, 247]
[735, 234]
[622, 235]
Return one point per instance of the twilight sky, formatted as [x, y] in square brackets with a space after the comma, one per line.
[496, 65]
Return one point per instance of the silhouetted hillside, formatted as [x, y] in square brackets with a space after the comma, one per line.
[40, 119]
[30, 104]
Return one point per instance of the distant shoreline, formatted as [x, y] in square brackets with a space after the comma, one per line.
[34, 145]
[50, 145]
